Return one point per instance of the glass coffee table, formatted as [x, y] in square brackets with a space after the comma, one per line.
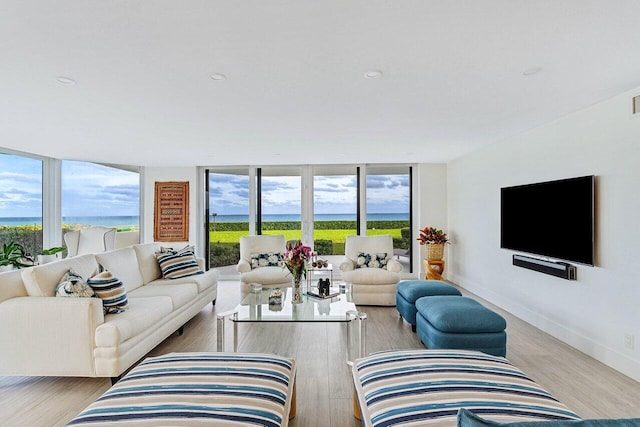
[255, 308]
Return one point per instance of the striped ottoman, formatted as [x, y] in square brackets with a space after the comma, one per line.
[428, 387]
[183, 389]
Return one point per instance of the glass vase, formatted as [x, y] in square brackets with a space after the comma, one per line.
[296, 285]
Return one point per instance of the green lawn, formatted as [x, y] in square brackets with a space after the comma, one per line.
[337, 236]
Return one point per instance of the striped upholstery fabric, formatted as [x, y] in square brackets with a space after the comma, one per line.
[178, 264]
[183, 389]
[427, 387]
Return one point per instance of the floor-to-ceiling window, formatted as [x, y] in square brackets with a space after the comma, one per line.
[280, 202]
[335, 207]
[228, 216]
[94, 194]
[321, 205]
[388, 206]
[21, 202]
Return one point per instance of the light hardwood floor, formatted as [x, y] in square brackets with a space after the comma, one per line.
[323, 382]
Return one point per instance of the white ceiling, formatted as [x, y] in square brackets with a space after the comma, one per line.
[295, 92]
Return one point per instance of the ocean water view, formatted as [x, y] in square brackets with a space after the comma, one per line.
[109, 221]
[123, 221]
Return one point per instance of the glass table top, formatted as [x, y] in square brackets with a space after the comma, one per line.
[255, 307]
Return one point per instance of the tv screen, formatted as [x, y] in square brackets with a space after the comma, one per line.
[554, 219]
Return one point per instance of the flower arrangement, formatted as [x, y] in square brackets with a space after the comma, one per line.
[432, 236]
[295, 257]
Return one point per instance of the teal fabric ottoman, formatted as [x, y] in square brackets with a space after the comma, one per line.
[409, 291]
[450, 322]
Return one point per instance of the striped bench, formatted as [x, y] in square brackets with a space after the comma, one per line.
[428, 387]
[182, 389]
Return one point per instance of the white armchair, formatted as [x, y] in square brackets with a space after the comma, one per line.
[371, 284]
[90, 240]
[266, 275]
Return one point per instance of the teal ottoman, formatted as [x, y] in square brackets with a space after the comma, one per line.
[409, 291]
[450, 322]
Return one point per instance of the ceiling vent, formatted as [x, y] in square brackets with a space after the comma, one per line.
[635, 105]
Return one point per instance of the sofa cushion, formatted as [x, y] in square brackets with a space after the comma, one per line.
[371, 276]
[111, 291]
[41, 280]
[143, 313]
[178, 264]
[147, 261]
[467, 418]
[123, 263]
[180, 293]
[204, 281]
[267, 276]
[73, 285]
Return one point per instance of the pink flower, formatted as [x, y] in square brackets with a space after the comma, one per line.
[295, 257]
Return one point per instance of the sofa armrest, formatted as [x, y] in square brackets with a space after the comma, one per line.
[347, 264]
[49, 335]
[243, 266]
[394, 266]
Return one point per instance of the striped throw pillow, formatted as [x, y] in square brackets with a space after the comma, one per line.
[176, 264]
[111, 291]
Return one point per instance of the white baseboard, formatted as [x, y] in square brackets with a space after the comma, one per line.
[587, 345]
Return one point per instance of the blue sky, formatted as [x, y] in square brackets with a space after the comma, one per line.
[87, 189]
[229, 194]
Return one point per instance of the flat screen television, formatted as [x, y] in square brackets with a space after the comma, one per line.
[553, 219]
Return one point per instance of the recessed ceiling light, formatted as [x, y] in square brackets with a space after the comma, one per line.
[373, 74]
[66, 80]
[531, 71]
[218, 76]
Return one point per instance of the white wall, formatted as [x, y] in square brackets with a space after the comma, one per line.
[149, 177]
[595, 312]
[431, 203]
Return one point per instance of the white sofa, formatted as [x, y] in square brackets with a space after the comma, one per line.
[44, 335]
[371, 286]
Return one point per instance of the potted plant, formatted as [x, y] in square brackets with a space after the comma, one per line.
[435, 240]
[13, 255]
[51, 254]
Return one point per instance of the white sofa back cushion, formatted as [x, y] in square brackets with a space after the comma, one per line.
[11, 285]
[123, 264]
[41, 281]
[147, 261]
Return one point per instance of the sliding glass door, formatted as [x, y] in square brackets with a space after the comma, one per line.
[335, 207]
[388, 206]
[228, 216]
[279, 202]
[320, 205]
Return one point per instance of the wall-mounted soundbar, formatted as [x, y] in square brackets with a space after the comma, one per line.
[558, 269]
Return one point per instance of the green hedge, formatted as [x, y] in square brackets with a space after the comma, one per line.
[221, 254]
[318, 225]
[323, 246]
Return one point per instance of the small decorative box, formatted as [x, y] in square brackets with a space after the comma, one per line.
[275, 297]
